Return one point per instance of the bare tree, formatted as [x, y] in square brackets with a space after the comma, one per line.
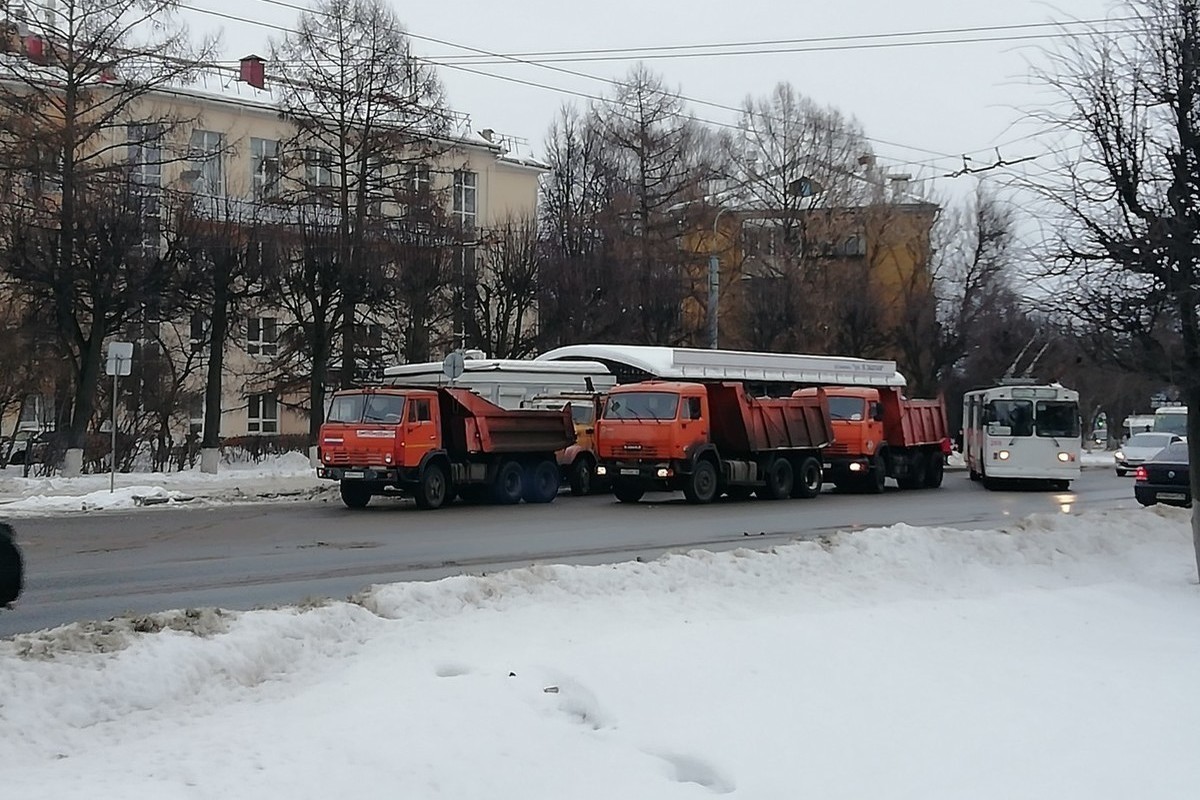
[368, 113]
[1126, 256]
[74, 103]
[506, 290]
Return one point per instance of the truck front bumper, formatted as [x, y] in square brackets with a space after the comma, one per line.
[661, 475]
[366, 474]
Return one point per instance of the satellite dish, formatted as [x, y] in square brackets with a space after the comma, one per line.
[454, 365]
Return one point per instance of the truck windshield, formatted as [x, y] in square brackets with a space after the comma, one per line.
[1171, 422]
[642, 405]
[1057, 419]
[1016, 415]
[387, 409]
[849, 408]
[582, 415]
[346, 408]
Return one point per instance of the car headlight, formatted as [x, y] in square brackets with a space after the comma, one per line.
[1119, 456]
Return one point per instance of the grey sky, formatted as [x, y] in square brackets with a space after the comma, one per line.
[949, 98]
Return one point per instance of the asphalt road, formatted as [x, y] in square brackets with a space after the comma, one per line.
[100, 565]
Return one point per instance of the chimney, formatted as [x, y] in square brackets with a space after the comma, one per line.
[253, 71]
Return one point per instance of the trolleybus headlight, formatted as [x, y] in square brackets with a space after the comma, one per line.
[1065, 457]
[601, 470]
[1004, 454]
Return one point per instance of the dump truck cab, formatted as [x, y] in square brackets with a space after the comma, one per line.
[653, 431]
[379, 435]
[577, 462]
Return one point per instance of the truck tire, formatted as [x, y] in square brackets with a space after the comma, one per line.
[433, 488]
[541, 482]
[509, 485]
[808, 478]
[354, 494]
[628, 492]
[876, 477]
[581, 476]
[701, 486]
[779, 480]
[936, 471]
[916, 475]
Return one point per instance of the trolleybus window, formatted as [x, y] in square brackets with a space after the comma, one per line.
[1057, 419]
[1014, 416]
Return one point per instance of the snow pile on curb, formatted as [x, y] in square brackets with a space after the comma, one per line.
[1043, 647]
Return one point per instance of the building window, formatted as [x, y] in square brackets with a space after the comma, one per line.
[263, 414]
[417, 179]
[464, 198]
[264, 165]
[204, 153]
[318, 168]
[262, 336]
[144, 151]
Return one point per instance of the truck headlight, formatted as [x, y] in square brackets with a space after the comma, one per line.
[601, 470]
[663, 472]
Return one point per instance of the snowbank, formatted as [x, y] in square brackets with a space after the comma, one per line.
[289, 475]
[1052, 659]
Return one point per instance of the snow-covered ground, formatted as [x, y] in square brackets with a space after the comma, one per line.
[1055, 659]
[284, 475]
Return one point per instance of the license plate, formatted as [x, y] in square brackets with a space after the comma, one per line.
[629, 472]
[1171, 496]
[827, 466]
[353, 475]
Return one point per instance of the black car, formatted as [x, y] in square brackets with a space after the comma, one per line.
[11, 567]
[1164, 478]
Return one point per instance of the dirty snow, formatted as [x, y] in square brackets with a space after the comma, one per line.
[1056, 658]
[284, 475]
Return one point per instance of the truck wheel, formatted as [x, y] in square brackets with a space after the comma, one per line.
[915, 478]
[628, 492]
[780, 480]
[876, 476]
[431, 492]
[355, 494]
[580, 476]
[510, 484]
[808, 479]
[701, 486]
[936, 471]
[541, 482]
[11, 567]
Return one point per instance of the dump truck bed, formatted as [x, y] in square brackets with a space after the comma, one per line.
[472, 424]
[747, 425]
[913, 423]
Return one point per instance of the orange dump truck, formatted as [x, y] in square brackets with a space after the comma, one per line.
[577, 462]
[709, 438]
[878, 433]
[434, 443]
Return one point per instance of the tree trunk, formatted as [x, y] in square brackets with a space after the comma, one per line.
[348, 366]
[91, 356]
[216, 365]
[316, 381]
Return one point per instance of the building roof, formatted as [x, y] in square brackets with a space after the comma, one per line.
[689, 364]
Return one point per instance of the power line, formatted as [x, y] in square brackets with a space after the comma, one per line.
[587, 76]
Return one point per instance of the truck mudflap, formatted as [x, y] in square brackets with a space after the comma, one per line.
[366, 474]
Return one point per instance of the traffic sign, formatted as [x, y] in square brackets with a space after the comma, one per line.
[454, 365]
[120, 358]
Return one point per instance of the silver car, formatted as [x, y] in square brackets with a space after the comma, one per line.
[1141, 447]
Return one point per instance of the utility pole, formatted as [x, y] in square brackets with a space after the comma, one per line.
[714, 284]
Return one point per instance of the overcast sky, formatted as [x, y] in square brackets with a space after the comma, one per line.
[919, 104]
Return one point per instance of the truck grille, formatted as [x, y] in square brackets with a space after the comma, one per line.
[838, 449]
[357, 457]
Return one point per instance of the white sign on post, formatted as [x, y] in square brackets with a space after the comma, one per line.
[120, 358]
[120, 362]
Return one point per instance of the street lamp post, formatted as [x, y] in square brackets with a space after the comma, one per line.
[714, 284]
